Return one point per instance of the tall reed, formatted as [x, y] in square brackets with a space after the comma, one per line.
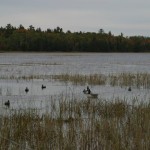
[78, 124]
[123, 79]
[137, 80]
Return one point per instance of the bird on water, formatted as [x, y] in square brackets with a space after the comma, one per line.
[43, 87]
[26, 90]
[7, 103]
[129, 89]
[87, 91]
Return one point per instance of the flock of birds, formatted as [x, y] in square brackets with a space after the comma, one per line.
[87, 91]
[7, 103]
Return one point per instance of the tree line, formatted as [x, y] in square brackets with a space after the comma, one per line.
[56, 40]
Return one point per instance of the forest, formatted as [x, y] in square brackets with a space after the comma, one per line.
[31, 39]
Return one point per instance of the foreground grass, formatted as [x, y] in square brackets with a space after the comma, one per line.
[78, 124]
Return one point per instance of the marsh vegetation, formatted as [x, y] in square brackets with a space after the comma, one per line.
[78, 124]
[123, 79]
[59, 116]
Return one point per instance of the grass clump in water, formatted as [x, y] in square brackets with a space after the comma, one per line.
[123, 79]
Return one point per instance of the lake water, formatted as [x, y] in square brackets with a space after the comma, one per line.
[39, 64]
[83, 63]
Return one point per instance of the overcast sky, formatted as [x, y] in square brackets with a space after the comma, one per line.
[131, 17]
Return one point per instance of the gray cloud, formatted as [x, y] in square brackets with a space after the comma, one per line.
[130, 17]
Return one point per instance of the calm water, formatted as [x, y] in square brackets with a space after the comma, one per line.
[84, 63]
[27, 64]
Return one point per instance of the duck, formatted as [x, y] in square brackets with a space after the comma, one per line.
[43, 87]
[26, 90]
[7, 103]
[84, 91]
[129, 89]
[87, 91]
[90, 94]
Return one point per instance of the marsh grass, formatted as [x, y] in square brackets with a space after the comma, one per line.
[71, 123]
[129, 79]
[77, 79]
[137, 80]
[78, 124]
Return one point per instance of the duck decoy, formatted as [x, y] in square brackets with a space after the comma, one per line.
[90, 94]
[129, 89]
[26, 90]
[84, 91]
[87, 91]
[7, 103]
[43, 87]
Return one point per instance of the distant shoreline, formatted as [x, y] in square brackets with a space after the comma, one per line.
[66, 52]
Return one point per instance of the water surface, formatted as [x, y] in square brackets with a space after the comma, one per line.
[41, 64]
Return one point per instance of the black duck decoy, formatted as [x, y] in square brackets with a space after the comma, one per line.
[43, 87]
[129, 89]
[7, 103]
[84, 91]
[87, 91]
[26, 90]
